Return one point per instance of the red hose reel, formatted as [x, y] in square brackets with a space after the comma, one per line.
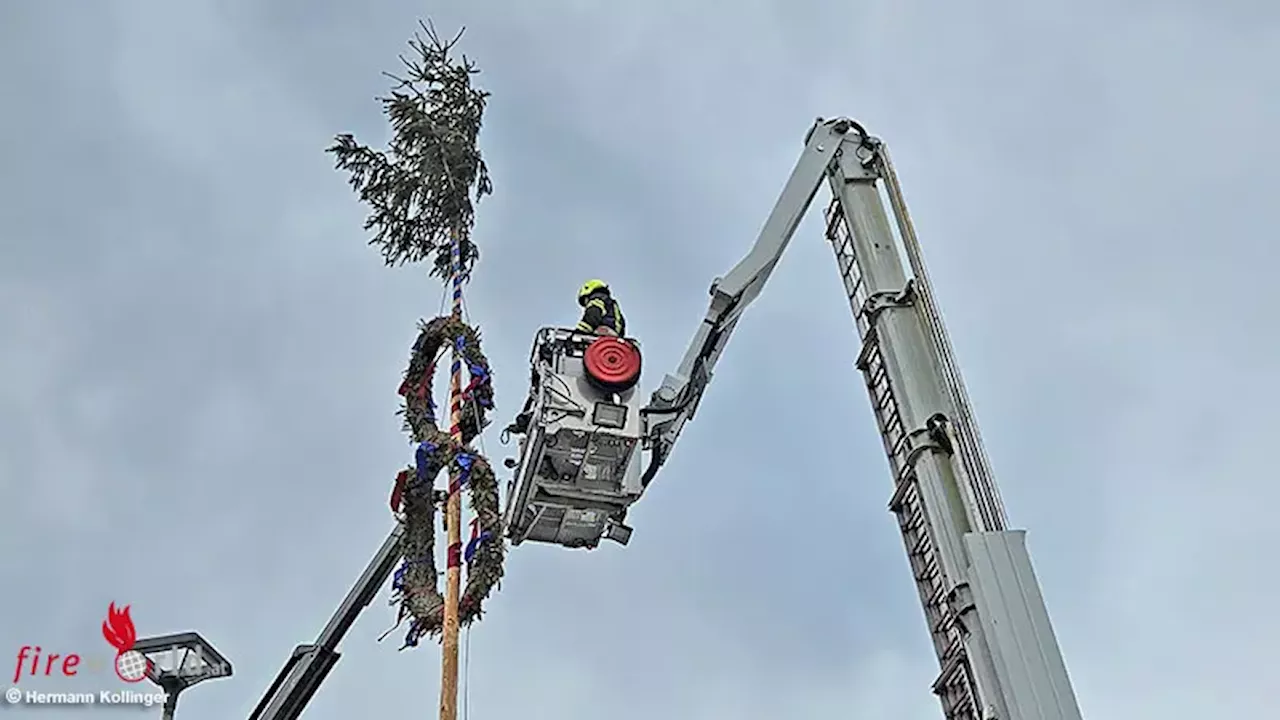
[612, 364]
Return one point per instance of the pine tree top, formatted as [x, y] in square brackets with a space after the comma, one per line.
[420, 189]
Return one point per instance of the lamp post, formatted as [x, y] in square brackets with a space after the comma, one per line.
[179, 661]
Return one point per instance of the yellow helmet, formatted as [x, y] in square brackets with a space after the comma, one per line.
[589, 287]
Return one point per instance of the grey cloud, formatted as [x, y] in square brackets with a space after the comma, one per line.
[200, 355]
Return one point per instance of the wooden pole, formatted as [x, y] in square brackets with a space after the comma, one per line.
[453, 515]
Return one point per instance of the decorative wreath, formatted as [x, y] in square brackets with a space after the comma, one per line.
[415, 494]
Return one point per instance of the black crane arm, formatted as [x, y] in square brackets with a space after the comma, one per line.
[309, 665]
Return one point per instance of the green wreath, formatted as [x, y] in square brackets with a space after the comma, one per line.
[415, 584]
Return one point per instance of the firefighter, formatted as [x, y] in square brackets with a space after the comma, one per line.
[600, 312]
[601, 316]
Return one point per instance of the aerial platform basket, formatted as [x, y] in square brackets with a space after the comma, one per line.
[579, 467]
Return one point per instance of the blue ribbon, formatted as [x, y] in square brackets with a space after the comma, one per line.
[424, 455]
[397, 580]
[465, 461]
[474, 545]
[411, 638]
[479, 378]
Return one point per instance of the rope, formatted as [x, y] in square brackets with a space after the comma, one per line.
[466, 676]
[453, 508]
[973, 454]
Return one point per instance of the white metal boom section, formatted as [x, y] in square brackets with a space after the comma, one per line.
[996, 649]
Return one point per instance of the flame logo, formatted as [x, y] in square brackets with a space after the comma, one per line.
[118, 629]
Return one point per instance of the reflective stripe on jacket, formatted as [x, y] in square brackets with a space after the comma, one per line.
[602, 311]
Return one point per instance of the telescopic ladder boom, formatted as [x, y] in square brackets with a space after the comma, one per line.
[998, 657]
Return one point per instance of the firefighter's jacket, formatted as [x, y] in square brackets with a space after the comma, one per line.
[602, 310]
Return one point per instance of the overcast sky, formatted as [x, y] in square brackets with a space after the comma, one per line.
[199, 355]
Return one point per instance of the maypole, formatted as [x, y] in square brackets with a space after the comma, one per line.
[453, 511]
[419, 193]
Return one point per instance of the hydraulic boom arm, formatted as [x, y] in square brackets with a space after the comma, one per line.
[997, 654]
[309, 665]
[674, 403]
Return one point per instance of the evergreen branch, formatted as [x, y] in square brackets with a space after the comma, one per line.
[419, 191]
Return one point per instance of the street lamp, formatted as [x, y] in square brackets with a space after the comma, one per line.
[179, 661]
